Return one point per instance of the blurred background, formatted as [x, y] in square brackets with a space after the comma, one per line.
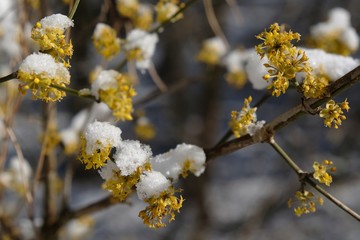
[242, 195]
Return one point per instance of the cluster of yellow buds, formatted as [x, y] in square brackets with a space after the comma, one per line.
[333, 113]
[320, 171]
[158, 193]
[245, 121]
[141, 15]
[38, 73]
[212, 50]
[127, 8]
[314, 86]
[165, 9]
[144, 129]
[306, 203]
[336, 35]
[118, 185]
[49, 33]
[284, 59]
[105, 41]
[96, 144]
[144, 17]
[115, 90]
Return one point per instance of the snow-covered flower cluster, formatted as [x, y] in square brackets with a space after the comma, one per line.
[46, 73]
[336, 35]
[140, 46]
[165, 9]
[39, 72]
[235, 64]
[96, 143]
[115, 90]
[127, 8]
[49, 33]
[105, 41]
[133, 167]
[245, 121]
[213, 49]
[179, 161]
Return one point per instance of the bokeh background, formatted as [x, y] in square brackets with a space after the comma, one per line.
[242, 195]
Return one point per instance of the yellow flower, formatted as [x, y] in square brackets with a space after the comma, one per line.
[306, 203]
[314, 86]
[240, 121]
[105, 41]
[236, 78]
[127, 8]
[95, 159]
[49, 33]
[38, 73]
[333, 113]
[320, 172]
[96, 143]
[122, 186]
[212, 50]
[116, 91]
[166, 204]
[284, 60]
[166, 9]
[144, 129]
[144, 17]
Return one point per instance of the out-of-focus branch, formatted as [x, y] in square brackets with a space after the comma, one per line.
[213, 22]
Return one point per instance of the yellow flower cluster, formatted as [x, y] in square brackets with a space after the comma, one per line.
[333, 113]
[166, 9]
[144, 129]
[122, 186]
[105, 41]
[166, 204]
[38, 72]
[96, 159]
[144, 18]
[119, 99]
[40, 86]
[320, 171]
[236, 78]
[211, 51]
[241, 120]
[331, 43]
[51, 39]
[127, 8]
[284, 59]
[314, 86]
[306, 202]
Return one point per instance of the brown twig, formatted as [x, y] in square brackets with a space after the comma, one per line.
[303, 176]
[284, 119]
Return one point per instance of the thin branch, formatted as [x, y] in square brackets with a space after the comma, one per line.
[20, 155]
[284, 119]
[306, 177]
[156, 78]
[214, 23]
[157, 93]
[74, 8]
[9, 77]
[286, 157]
[73, 92]
[182, 9]
[336, 201]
